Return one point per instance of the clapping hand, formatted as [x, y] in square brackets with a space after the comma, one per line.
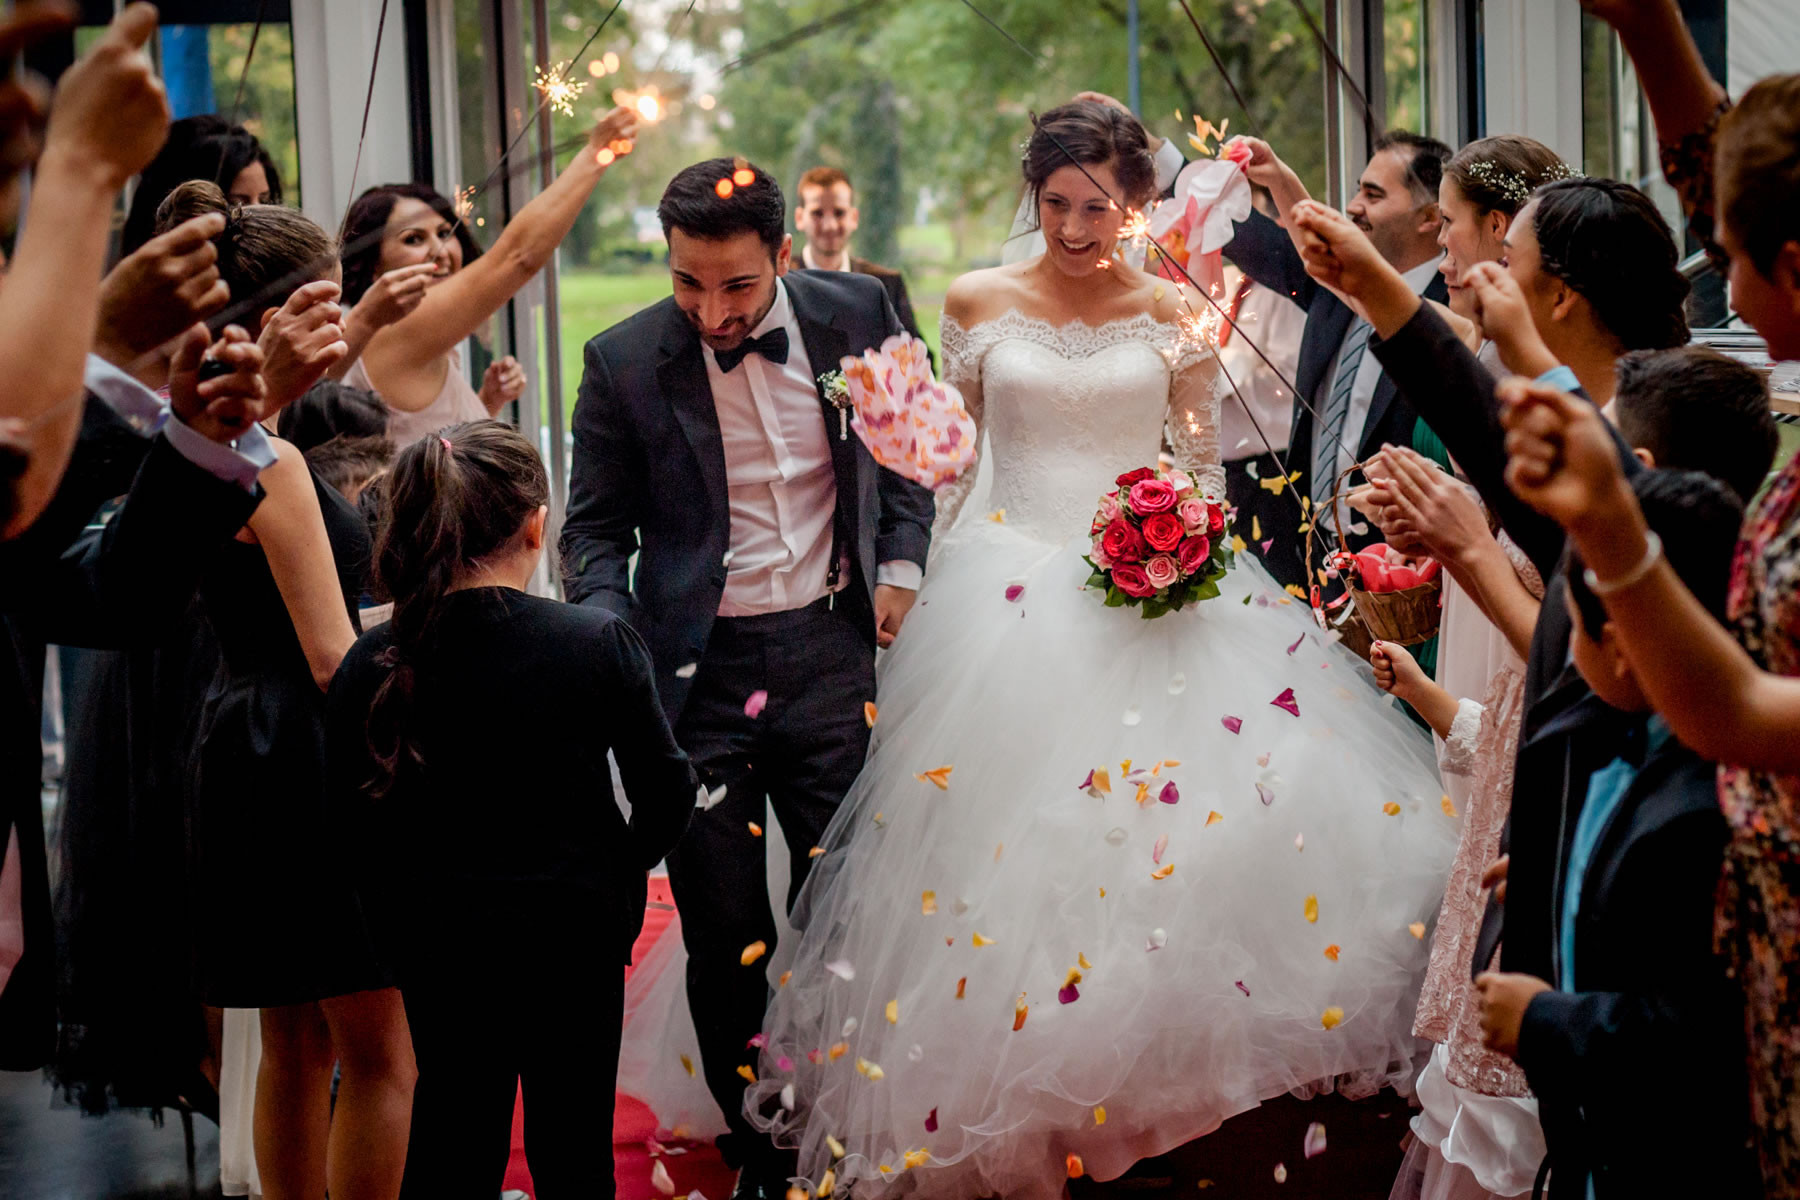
[110, 111]
[1426, 501]
[1505, 320]
[24, 98]
[220, 407]
[1562, 460]
[301, 341]
[502, 383]
[1504, 998]
[157, 293]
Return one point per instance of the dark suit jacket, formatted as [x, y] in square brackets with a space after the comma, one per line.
[1649, 1016]
[649, 474]
[1264, 252]
[118, 587]
[895, 283]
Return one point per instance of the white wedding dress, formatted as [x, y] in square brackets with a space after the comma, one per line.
[1305, 849]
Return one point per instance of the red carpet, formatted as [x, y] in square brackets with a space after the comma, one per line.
[634, 1127]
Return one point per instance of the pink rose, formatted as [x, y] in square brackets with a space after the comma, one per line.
[1109, 509]
[1236, 151]
[1098, 553]
[1183, 483]
[1192, 512]
[1152, 496]
[1121, 543]
[1163, 531]
[1162, 571]
[1215, 519]
[1131, 579]
[1193, 553]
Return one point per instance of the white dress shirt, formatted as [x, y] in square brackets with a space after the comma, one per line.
[781, 491]
[149, 414]
[806, 256]
[1261, 421]
[1368, 374]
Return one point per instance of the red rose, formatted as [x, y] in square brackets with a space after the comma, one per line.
[1131, 579]
[1130, 477]
[1152, 496]
[1162, 530]
[1215, 519]
[1121, 542]
[1192, 554]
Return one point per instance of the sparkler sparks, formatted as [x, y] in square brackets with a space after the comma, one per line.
[1135, 229]
[557, 89]
[465, 202]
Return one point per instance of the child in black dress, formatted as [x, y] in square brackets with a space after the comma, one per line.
[506, 885]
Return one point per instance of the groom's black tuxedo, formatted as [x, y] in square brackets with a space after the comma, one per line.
[650, 477]
[649, 474]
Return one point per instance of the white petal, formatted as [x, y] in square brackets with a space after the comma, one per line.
[1177, 684]
[1156, 941]
[1116, 836]
[1132, 715]
[787, 1097]
[686, 671]
[842, 969]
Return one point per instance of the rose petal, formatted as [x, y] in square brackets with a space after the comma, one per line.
[938, 777]
[961, 985]
[978, 940]
[1099, 1114]
[1280, 1172]
[1213, 818]
[1164, 871]
[709, 799]
[850, 1024]
[787, 1097]
[870, 1070]
[1300, 841]
[1156, 853]
[758, 700]
[928, 903]
[686, 670]
[1314, 1145]
[1076, 1170]
[659, 1178]
[1448, 807]
[1177, 684]
[1069, 994]
[931, 1125]
[1242, 988]
[687, 1064]
[870, 713]
[1311, 910]
[916, 1054]
[1296, 645]
[1332, 952]
[1391, 809]
[1264, 794]
[1232, 724]
[752, 952]
[842, 969]
[1116, 836]
[1170, 794]
[1156, 941]
[1132, 716]
[1286, 702]
[1014, 591]
[1417, 929]
[1332, 1017]
[892, 1012]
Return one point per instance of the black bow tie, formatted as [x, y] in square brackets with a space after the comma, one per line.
[772, 345]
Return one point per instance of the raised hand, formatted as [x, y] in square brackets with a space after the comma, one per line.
[1561, 458]
[1264, 166]
[1505, 319]
[110, 111]
[220, 407]
[1430, 503]
[616, 131]
[394, 295]
[158, 293]
[301, 341]
[1340, 256]
[502, 383]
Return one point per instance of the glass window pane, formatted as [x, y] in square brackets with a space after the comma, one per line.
[1406, 64]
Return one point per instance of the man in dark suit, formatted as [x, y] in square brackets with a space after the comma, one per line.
[1346, 408]
[827, 215]
[773, 556]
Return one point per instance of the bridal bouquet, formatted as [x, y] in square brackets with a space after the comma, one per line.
[1158, 544]
[912, 424]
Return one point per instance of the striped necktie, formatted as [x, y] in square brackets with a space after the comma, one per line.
[1329, 437]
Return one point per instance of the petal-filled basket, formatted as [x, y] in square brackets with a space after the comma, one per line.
[912, 424]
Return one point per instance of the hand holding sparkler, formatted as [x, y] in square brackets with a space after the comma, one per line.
[614, 135]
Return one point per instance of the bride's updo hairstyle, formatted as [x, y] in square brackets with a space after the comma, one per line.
[1090, 135]
[1499, 174]
[266, 252]
[1606, 240]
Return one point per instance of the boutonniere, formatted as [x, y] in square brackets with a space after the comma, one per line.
[836, 390]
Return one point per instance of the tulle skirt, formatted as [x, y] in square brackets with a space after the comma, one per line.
[1006, 961]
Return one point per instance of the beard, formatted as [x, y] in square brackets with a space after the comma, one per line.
[737, 329]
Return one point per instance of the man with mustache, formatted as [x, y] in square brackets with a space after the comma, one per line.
[1346, 407]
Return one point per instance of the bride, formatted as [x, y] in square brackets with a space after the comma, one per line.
[998, 972]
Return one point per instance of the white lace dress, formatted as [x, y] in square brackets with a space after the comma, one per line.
[1233, 941]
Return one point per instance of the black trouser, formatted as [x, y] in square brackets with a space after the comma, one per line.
[1276, 518]
[552, 1028]
[800, 755]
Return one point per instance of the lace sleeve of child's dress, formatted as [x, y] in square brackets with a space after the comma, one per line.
[962, 370]
[1194, 417]
[1458, 755]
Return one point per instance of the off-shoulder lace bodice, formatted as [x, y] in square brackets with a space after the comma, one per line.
[1066, 408]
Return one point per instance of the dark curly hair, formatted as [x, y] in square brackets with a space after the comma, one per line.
[203, 147]
[1606, 240]
[1090, 134]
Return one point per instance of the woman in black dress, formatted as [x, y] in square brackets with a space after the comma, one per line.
[479, 857]
[278, 927]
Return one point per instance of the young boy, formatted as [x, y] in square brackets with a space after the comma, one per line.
[1635, 1049]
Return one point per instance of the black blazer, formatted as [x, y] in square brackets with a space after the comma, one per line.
[648, 476]
[123, 585]
[1264, 252]
[895, 283]
[1639, 1065]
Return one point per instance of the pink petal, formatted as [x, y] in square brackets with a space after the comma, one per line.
[1232, 724]
[1286, 702]
[1069, 994]
[1162, 843]
[1267, 796]
[931, 1122]
[815, 1057]
[758, 700]
[1170, 793]
[784, 1064]
[758, 1042]
[1296, 645]
[1267, 544]
[1085, 784]
[1014, 591]
[1315, 1140]
[1242, 988]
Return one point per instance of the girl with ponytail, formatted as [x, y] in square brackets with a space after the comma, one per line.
[475, 853]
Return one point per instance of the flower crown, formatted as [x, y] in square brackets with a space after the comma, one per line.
[1513, 184]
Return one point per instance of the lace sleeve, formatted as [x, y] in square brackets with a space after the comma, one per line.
[1194, 417]
[1457, 757]
[962, 370]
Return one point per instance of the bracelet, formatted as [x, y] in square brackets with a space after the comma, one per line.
[1653, 549]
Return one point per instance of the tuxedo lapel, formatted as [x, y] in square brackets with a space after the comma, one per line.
[826, 345]
[681, 374]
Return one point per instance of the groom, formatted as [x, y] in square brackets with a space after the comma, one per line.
[773, 556]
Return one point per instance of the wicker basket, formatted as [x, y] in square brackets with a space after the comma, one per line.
[1407, 617]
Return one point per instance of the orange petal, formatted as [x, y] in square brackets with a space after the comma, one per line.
[1076, 1170]
[815, 852]
[752, 952]
[1164, 871]
[687, 1064]
[1448, 807]
[870, 712]
[838, 1051]
[1085, 964]
[978, 940]
[960, 985]
[1099, 1114]
[1332, 1017]
[938, 776]
[748, 1072]
[783, 981]
[1312, 910]
[1019, 1011]
[1391, 809]
[755, 829]
[928, 903]
[893, 1012]
[1417, 929]
[1213, 818]
[1331, 952]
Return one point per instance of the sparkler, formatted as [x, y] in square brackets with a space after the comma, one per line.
[558, 90]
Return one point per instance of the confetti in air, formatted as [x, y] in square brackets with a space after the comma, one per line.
[557, 89]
